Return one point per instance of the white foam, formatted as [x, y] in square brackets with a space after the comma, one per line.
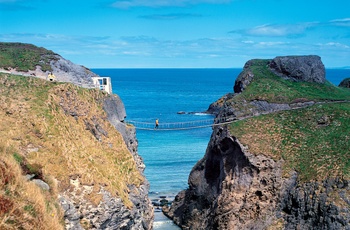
[202, 114]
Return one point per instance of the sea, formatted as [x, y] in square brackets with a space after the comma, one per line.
[174, 96]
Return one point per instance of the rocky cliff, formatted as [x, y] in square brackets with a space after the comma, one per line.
[281, 161]
[74, 140]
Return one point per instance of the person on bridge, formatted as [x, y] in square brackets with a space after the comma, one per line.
[157, 124]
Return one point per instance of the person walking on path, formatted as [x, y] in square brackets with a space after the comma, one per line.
[157, 124]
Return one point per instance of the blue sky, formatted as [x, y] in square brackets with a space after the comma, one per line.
[180, 33]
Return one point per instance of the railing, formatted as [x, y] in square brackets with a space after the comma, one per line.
[172, 126]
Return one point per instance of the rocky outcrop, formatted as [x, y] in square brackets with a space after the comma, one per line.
[143, 209]
[110, 212]
[231, 188]
[315, 205]
[66, 71]
[299, 68]
[345, 83]
[245, 77]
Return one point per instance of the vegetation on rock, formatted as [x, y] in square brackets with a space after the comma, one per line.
[274, 89]
[314, 141]
[60, 131]
[24, 57]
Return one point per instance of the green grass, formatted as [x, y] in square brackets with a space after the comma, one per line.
[269, 87]
[25, 57]
[315, 150]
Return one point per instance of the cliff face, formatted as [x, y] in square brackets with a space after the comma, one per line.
[259, 172]
[76, 138]
[111, 212]
[229, 188]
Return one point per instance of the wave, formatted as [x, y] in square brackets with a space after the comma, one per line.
[202, 114]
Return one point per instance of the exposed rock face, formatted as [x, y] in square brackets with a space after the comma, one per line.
[67, 71]
[110, 213]
[315, 205]
[345, 83]
[64, 71]
[231, 188]
[244, 78]
[300, 68]
[143, 208]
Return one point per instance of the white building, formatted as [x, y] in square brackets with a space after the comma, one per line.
[103, 83]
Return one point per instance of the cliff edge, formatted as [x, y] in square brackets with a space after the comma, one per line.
[283, 160]
[68, 160]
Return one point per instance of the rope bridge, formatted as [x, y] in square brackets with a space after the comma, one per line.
[176, 125]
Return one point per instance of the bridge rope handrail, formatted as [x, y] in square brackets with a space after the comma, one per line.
[171, 123]
[186, 125]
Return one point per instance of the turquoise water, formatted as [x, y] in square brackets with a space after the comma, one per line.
[149, 94]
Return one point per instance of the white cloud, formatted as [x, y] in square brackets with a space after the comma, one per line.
[272, 43]
[336, 44]
[126, 4]
[248, 42]
[279, 30]
[152, 52]
[166, 17]
[345, 22]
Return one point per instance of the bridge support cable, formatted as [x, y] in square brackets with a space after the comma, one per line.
[178, 125]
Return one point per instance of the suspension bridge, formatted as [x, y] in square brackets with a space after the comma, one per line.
[197, 124]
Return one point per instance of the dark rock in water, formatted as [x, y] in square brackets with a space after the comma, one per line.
[155, 202]
[300, 68]
[345, 83]
[164, 202]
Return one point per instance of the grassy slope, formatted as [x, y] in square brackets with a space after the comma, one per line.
[24, 57]
[316, 149]
[267, 86]
[31, 117]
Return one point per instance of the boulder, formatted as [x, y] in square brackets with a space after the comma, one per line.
[299, 68]
[41, 184]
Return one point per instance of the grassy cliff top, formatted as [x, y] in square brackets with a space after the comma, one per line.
[272, 88]
[24, 57]
[314, 141]
[38, 136]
